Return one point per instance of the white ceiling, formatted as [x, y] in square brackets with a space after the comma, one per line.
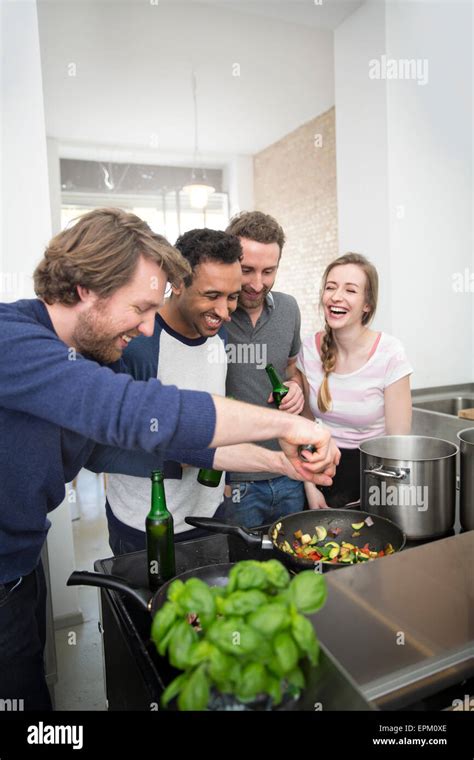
[319, 14]
[327, 15]
[134, 60]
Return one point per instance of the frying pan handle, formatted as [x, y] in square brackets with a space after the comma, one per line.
[113, 582]
[216, 526]
[399, 474]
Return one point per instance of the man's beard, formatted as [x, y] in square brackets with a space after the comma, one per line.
[94, 338]
[250, 303]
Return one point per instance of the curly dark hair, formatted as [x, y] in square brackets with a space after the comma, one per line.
[208, 245]
[255, 225]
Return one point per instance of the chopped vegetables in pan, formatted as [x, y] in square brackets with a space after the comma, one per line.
[317, 548]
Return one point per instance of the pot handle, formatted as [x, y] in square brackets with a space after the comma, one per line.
[399, 474]
[216, 526]
[113, 582]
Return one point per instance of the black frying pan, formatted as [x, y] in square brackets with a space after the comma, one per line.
[382, 532]
[214, 575]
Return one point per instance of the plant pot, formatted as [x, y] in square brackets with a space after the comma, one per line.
[262, 703]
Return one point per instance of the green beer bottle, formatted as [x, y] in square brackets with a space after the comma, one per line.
[159, 535]
[210, 478]
[279, 390]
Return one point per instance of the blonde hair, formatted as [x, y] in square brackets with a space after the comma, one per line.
[100, 252]
[328, 345]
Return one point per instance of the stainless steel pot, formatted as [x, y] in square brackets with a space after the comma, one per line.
[466, 499]
[411, 480]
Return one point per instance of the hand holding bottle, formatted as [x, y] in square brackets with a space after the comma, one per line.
[293, 401]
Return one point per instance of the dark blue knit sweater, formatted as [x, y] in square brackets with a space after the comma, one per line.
[55, 406]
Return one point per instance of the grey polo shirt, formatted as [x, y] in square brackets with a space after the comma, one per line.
[274, 339]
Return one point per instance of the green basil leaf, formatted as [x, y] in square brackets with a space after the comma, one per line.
[173, 689]
[200, 652]
[253, 681]
[254, 676]
[219, 593]
[273, 689]
[286, 651]
[162, 644]
[308, 591]
[269, 618]
[305, 636]
[277, 574]
[175, 590]
[220, 665]
[275, 667]
[184, 636]
[163, 621]
[228, 682]
[198, 598]
[243, 602]
[295, 678]
[195, 693]
[246, 575]
[281, 598]
[235, 637]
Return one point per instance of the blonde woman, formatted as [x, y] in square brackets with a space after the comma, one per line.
[356, 380]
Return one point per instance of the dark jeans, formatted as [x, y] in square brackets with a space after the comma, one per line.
[22, 641]
[346, 482]
[124, 540]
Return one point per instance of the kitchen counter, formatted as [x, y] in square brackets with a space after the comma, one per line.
[404, 627]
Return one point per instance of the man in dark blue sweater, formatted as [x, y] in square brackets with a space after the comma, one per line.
[99, 285]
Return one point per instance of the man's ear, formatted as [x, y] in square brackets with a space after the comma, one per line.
[85, 294]
[176, 290]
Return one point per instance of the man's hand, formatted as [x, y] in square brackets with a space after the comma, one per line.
[320, 467]
[293, 402]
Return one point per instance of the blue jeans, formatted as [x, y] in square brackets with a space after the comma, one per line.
[22, 641]
[258, 502]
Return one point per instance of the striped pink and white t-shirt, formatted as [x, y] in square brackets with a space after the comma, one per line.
[357, 398]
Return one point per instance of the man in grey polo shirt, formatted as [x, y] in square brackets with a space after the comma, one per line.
[265, 329]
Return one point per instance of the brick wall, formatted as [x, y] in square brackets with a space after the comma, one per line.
[295, 181]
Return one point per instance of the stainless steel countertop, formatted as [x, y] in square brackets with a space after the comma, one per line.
[408, 618]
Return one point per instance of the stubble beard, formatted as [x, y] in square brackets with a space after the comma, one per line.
[94, 338]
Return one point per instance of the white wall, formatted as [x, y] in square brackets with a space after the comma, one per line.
[430, 169]
[26, 217]
[238, 179]
[361, 148]
[472, 182]
[54, 179]
[412, 144]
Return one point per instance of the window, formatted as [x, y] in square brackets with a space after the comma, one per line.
[167, 211]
